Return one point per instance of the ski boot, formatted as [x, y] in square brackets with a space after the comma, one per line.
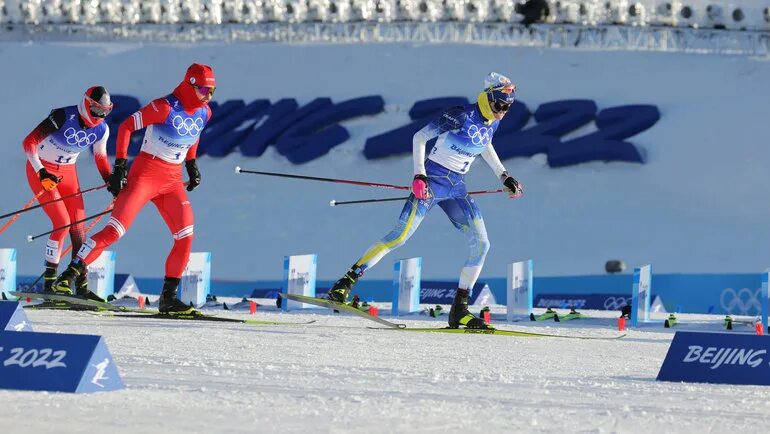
[66, 281]
[81, 289]
[341, 289]
[459, 314]
[168, 302]
[625, 312]
[49, 277]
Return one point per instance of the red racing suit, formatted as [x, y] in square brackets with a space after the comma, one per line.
[54, 145]
[171, 137]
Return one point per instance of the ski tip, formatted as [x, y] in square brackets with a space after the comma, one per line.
[332, 202]
[237, 169]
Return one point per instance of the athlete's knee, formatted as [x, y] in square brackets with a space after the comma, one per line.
[183, 244]
[116, 228]
[479, 248]
[484, 245]
[184, 235]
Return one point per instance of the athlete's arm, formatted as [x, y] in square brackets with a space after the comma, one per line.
[193, 151]
[49, 125]
[100, 154]
[490, 156]
[451, 119]
[155, 112]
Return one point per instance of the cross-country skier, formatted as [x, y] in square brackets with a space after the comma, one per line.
[464, 132]
[52, 149]
[174, 124]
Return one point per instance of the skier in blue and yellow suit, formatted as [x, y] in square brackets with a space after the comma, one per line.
[464, 132]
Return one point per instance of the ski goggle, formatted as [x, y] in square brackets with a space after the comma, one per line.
[99, 110]
[205, 90]
[500, 106]
[501, 97]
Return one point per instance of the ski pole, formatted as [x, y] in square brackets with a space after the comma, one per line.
[25, 209]
[69, 247]
[316, 178]
[31, 238]
[349, 202]
[18, 214]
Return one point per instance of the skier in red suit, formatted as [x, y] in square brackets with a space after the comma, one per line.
[52, 149]
[173, 126]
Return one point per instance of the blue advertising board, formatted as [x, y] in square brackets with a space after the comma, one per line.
[725, 358]
[13, 318]
[583, 301]
[56, 362]
[443, 292]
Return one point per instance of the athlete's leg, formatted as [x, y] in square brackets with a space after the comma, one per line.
[141, 187]
[57, 213]
[127, 205]
[466, 216]
[176, 211]
[139, 190]
[411, 216]
[75, 208]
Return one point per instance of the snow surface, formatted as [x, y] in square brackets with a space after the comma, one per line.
[338, 376]
[700, 196]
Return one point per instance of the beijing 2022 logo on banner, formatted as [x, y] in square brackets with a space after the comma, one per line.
[727, 358]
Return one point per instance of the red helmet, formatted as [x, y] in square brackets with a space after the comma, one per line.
[201, 76]
[95, 106]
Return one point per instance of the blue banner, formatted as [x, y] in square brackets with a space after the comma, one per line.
[443, 292]
[583, 301]
[725, 358]
[13, 318]
[56, 362]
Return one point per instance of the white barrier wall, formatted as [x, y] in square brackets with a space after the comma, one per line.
[692, 201]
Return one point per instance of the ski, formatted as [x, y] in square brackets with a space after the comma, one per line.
[548, 314]
[61, 305]
[341, 307]
[205, 317]
[501, 333]
[552, 314]
[573, 314]
[729, 321]
[81, 302]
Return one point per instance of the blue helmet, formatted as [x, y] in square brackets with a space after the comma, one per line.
[500, 92]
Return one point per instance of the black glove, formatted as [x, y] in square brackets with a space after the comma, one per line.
[117, 181]
[193, 174]
[47, 179]
[512, 185]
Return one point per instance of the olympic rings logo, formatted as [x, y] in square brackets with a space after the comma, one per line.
[480, 136]
[741, 302]
[187, 126]
[79, 138]
[615, 303]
